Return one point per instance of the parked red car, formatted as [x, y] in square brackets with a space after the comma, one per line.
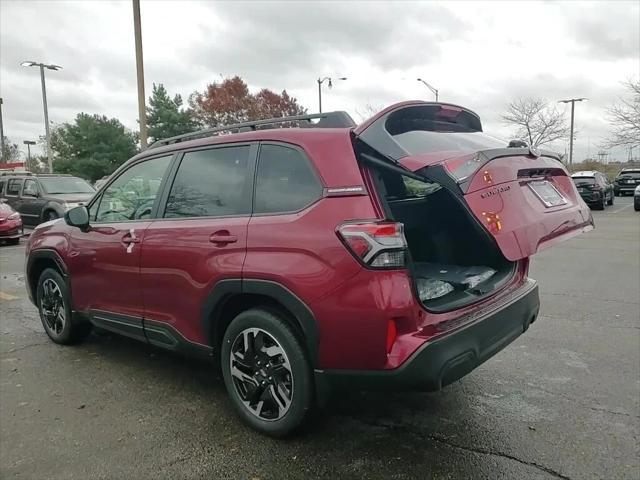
[393, 254]
[10, 224]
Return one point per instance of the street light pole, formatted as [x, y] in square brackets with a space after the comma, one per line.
[46, 120]
[330, 84]
[433, 90]
[1, 135]
[142, 114]
[572, 101]
[44, 103]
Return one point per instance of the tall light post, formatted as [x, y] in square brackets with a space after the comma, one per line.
[433, 90]
[572, 101]
[142, 113]
[44, 103]
[28, 143]
[320, 81]
[1, 135]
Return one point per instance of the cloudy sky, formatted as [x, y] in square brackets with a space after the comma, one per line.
[478, 54]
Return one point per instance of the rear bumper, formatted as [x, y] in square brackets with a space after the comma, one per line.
[624, 188]
[445, 360]
[591, 197]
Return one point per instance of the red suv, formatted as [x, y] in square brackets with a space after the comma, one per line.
[393, 254]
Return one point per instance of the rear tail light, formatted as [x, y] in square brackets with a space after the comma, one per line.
[376, 244]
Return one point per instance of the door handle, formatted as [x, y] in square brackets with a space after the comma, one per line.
[129, 240]
[222, 238]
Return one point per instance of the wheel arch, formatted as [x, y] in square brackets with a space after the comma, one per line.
[38, 262]
[233, 296]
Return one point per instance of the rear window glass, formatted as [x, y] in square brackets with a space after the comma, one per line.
[584, 180]
[285, 181]
[432, 129]
[632, 175]
[418, 142]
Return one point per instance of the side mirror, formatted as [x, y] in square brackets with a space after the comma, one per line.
[78, 217]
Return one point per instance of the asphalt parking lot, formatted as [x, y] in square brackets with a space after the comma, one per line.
[563, 401]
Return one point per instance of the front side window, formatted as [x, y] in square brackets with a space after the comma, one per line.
[2, 183]
[285, 181]
[58, 185]
[132, 195]
[13, 187]
[30, 188]
[211, 183]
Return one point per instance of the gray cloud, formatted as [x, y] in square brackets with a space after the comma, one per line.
[471, 53]
[609, 32]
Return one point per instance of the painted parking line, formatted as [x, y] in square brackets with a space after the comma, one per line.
[6, 296]
[623, 208]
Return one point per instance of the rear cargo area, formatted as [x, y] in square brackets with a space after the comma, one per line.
[453, 260]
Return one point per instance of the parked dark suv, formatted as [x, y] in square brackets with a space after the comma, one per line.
[626, 181]
[594, 188]
[39, 198]
[393, 254]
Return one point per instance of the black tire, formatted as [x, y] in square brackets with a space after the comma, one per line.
[269, 326]
[13, 241]
[50, 215]
[636, 207]
[611, 199]
[601, 204]
[52, 296]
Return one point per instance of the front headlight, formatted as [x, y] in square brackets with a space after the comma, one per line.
[13, 216]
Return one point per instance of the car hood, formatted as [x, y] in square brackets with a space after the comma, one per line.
[70, 197]
[5, 211]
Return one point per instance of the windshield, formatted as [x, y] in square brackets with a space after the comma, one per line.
[421, 141]
[584, 181]
[65, 185]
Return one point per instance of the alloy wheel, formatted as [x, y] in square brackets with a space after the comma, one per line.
[52, 307]
[261, 374]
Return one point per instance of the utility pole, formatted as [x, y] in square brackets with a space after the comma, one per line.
[142, 114]
[1, 135]
[28, 143]
[572, 101]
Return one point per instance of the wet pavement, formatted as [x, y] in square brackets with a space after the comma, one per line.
[563, 401]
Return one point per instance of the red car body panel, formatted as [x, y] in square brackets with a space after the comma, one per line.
[180, 266]
[499, 192]
[106, 276]
[9, 227]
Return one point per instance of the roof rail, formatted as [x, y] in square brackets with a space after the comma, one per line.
[337, 119]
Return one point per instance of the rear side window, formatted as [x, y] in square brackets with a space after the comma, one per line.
[13, 187]
[211, 183]
[285, 181]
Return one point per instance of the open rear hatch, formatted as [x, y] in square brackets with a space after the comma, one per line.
[522, 200]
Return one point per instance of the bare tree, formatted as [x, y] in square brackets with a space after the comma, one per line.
[624, 117]
[537, 122]
[367, 111]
